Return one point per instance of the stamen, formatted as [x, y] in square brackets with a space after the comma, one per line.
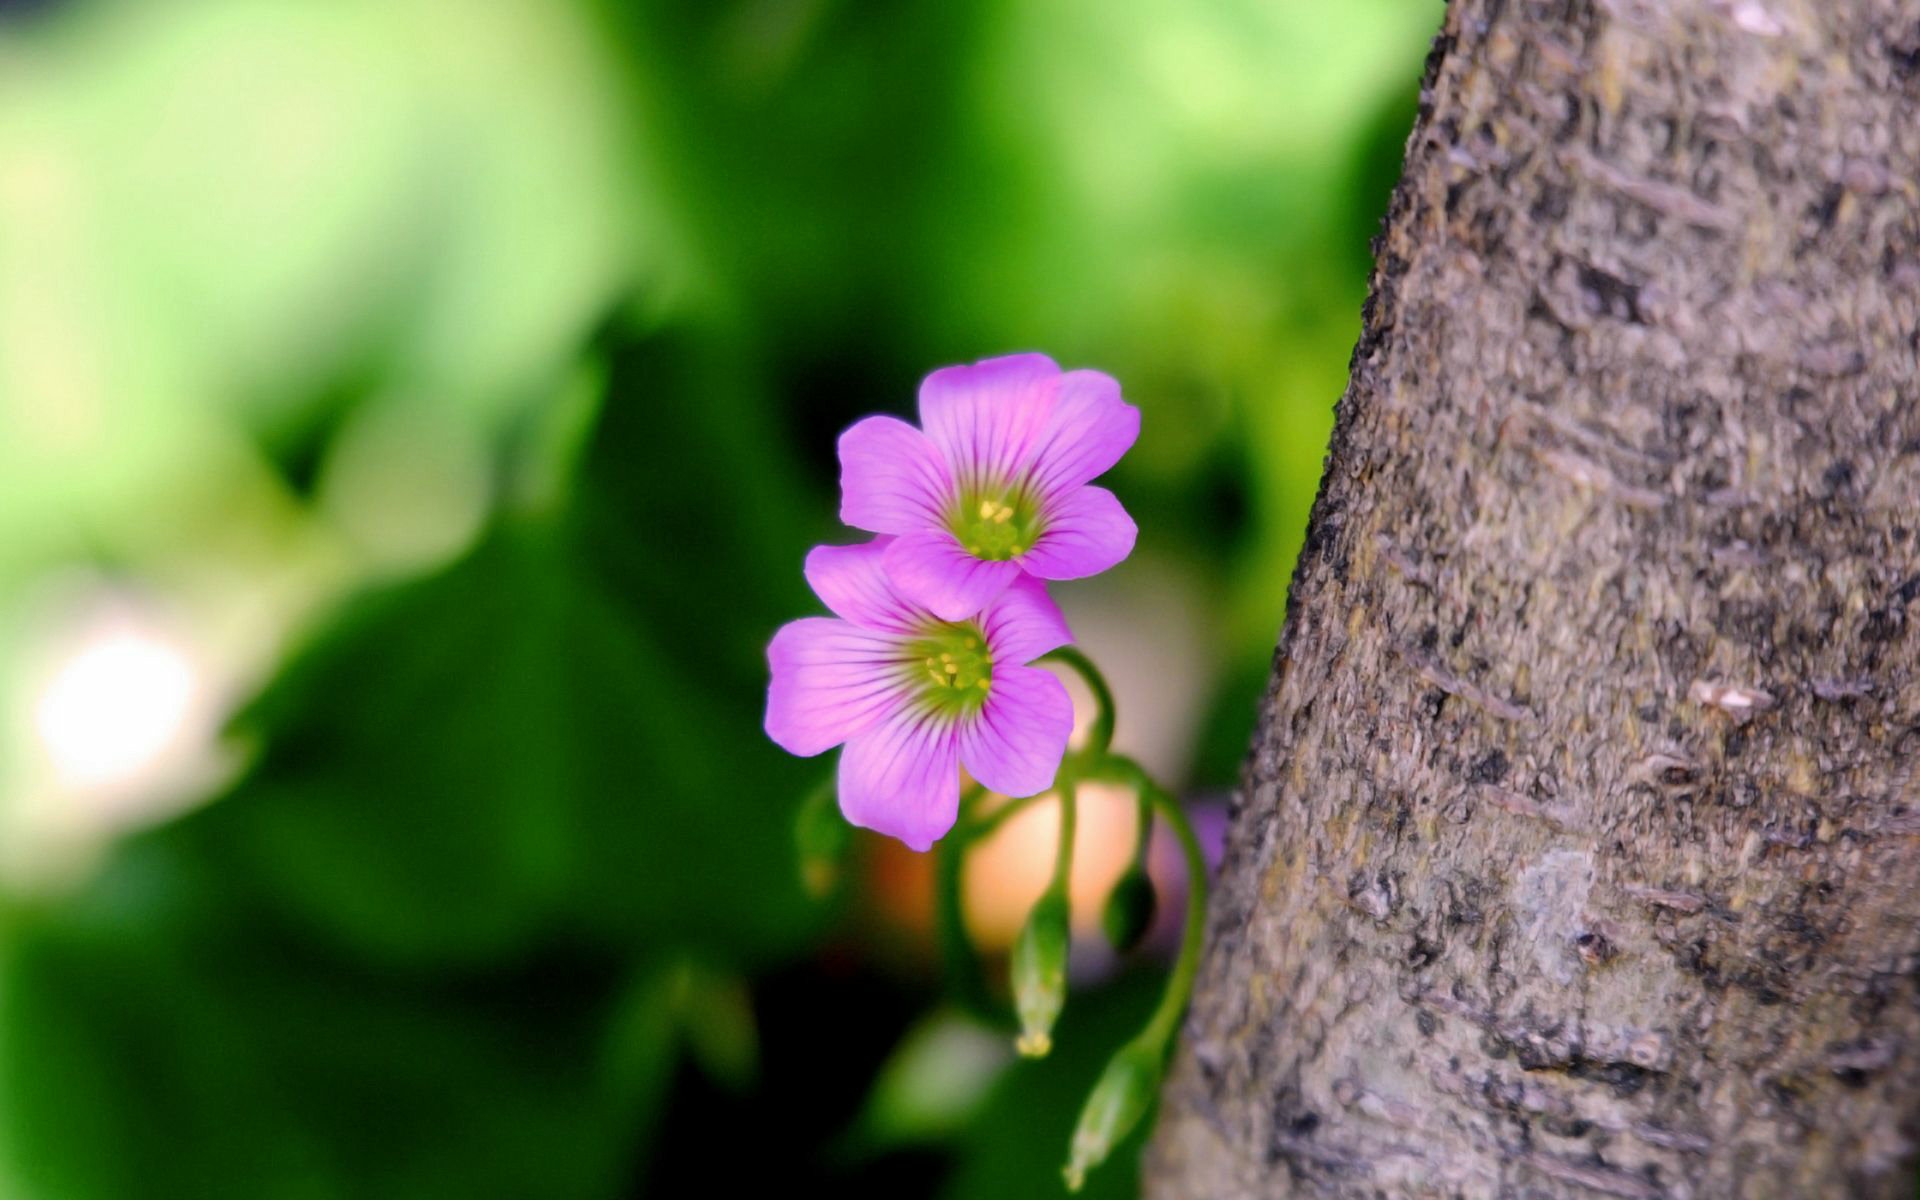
[956, 657]
[996, 522]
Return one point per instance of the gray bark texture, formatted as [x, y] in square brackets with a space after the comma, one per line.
[1578, 853]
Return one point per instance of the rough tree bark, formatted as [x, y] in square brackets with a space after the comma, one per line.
[1577, 854]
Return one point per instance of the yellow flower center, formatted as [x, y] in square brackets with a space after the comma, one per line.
[950, 666]
[996, 524]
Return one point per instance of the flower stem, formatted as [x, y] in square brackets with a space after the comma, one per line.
[1100, 734]
[1038, 969]
[1063, 785]
[1125, 1090]
[1173, 1002]
[984, 827]
[1119, 768]
[958, 956]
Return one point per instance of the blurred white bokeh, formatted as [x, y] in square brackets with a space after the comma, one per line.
[112, 724]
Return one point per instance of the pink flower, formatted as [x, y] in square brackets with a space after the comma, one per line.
[915, 697]
[996, 486]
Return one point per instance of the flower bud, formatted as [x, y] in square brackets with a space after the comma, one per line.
[820, 836]
[1040, 972]
[1120, 1097]
[1129, 909]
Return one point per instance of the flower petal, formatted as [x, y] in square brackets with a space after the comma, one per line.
[985, 418]
[931, 569]
[1023, 623]
[1087, 532]
[1015, 742]
[892, 479]
[902, 778]
[1086, 431]
[831, 681]
[851, 581]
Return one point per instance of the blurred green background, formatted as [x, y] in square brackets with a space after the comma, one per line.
[413, 415]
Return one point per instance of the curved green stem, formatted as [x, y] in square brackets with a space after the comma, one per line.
[1100, 734]
[1173, 1002]
[1165, 1020]
[984, 827]
[1124, 1092]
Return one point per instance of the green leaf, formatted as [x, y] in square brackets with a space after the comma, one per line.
[497, 755]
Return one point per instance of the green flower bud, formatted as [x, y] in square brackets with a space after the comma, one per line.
[1118, 1100]
[821, 837]
[1129, 909]
[1040, 972]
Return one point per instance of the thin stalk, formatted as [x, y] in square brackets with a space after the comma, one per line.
[984, 827]
[1100, 733]
[959, 958]
[1063, 784]
[1165, 1020]
[1173, 1002]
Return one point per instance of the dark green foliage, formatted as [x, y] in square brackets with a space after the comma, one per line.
[504, 901]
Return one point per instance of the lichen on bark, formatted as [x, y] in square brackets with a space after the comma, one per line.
[1578, 853]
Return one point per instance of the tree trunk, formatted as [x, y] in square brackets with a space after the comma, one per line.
[1577, 850]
